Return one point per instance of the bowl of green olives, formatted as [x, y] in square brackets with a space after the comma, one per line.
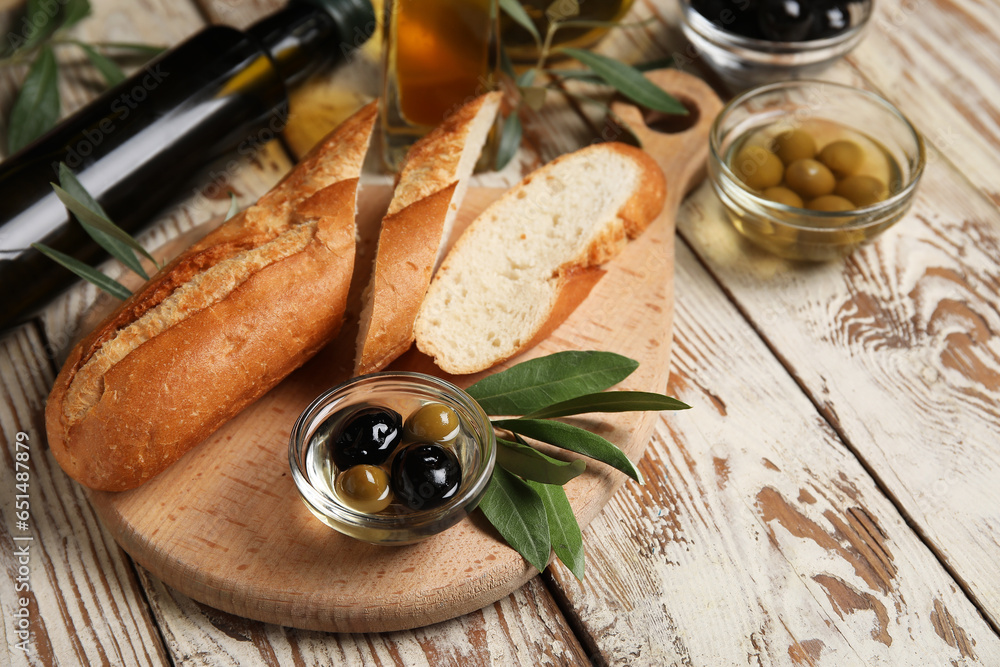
[811, 170]
[754, 42]
[393, 457]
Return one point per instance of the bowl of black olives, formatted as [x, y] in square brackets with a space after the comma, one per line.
[811, 170]
[754, 42]
[392, 458]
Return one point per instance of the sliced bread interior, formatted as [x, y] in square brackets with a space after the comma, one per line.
[425, 202]
[501, 284]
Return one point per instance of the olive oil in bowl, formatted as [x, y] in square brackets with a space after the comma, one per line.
[811, 170]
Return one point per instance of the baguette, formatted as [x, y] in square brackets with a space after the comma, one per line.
[508, 276]
[425, 202]
[216, 328]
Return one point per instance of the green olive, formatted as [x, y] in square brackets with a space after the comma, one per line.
[758, 167]
[434, 422]
[794, 145]
[783, 195]
[842, 157]
[830, 203]
[862, 190]
[365, 488]
[809, 179]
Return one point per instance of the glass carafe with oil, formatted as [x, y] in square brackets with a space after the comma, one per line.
[438, 54]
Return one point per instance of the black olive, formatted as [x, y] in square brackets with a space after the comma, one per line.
[736, 16]
[368, 436]
[785, 20]
[832, 18]
[425, 475]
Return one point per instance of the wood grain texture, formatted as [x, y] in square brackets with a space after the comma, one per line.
[758, 537]
[84, 605]
[525, 628]
[924, 67]
[911, 56]
[897, 345]
[188, 524]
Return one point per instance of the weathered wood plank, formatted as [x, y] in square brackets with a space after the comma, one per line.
[524, 628]
[86, 605]
[82, 600]
[906, 326]
[938, 61]
[897, 345]
[758, 536]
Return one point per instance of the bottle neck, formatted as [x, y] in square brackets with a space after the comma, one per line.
[306, 33]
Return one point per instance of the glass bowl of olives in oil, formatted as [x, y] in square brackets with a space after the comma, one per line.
[393, 457]
[754, 42]
[811, 170]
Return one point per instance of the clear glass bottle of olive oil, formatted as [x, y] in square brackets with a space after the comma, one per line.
[437, 55]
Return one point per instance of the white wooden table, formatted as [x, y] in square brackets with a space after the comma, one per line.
[832, 499]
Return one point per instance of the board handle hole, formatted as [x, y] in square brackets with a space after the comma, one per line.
[664, 123]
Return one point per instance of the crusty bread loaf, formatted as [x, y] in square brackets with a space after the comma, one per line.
[215, 329]
[501, 284]
[429, 191]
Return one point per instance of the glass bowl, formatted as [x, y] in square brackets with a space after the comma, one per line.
[800, 233]
[314, 472]
[745, 62]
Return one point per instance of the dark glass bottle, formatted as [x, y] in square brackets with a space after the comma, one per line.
[222, 90]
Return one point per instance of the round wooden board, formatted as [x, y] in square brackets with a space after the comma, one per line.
[225, 526]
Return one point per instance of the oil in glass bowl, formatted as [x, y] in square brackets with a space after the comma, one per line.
[375, 484]
[817, 168]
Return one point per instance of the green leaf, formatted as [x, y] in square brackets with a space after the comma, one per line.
[564, 531]
[610, 401]
[75, 11]
[40, 17]
[111, 72]
[116, 248]
[526, 78]
[86, 216]
[574, 439]
[514, 10]
[537, 383]
[510, 140]
[36, 109]
[584, 75]
[88, 273]
[506, 66]
[529, 463]
[518, 514]
[74, 188]
[234, 206]
[628, 81]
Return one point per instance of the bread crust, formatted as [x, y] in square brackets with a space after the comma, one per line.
[172, 390]
[428, 193]
[574, 278]
[408, 246]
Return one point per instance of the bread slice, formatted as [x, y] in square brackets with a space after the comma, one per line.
[508, 273]
[215, 329]
[429, 191]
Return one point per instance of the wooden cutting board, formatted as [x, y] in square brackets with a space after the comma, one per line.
[225, 526]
